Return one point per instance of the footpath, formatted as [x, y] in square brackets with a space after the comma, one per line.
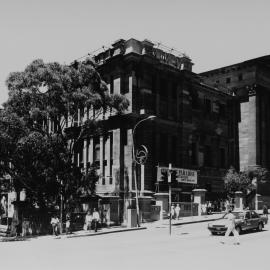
[121, 229]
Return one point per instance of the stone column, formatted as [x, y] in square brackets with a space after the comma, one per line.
[253, 131]
[85, 148]
[199, 198]
[91, 150]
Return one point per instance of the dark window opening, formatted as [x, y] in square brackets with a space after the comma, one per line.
[164, 88]
[222, 158]
[228, 80]
[207, 103]
[163, 148]
[174, 91]
[207, 156]
[194, 153]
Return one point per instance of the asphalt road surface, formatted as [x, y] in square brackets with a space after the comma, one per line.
[189, 247]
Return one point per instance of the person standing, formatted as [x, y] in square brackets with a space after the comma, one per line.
[96, 218]
[177, 211]
[231, 228]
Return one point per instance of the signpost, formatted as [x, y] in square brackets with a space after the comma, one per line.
[181, 176]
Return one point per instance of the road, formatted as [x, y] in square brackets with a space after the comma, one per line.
[189, 247]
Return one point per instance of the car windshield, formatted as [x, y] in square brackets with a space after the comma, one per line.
[237, 215]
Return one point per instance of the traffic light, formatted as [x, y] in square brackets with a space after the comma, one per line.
[164, 176]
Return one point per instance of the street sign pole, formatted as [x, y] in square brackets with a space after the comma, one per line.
[170, 195]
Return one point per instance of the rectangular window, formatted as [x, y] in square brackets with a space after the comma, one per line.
[222, 158]
[207, 105]
[164, 88]
[207, 156]
[240, 77]
[163, 148]
[174, 150]
[194, 153]
[154, 90]
[124, 84]
[174, 91]
[228, 80]
[222, 110]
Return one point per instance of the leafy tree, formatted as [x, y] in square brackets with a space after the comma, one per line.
[234, 182]
[38, 156]
[247, 181]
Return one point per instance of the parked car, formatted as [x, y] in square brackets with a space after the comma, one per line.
[245, 220]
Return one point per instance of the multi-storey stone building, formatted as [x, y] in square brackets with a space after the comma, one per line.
[195, 125]
[249, 81]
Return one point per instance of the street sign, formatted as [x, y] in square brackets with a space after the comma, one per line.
[181, 175]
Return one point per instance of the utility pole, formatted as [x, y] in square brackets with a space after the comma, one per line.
[170, 194]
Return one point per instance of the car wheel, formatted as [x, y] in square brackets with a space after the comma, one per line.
[260, 227]
[238, 229]
[213, 233]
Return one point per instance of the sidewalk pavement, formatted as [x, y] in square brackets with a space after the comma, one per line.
[119, 229]
[184, 220]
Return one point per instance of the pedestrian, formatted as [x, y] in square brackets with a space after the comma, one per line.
[96, 219]
[172, 212]
[55, 224]
[265, 211]
[231, 228]
[88, 221]
[68, 227]
[177, 211]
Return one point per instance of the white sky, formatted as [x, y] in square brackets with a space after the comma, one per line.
[213, 33]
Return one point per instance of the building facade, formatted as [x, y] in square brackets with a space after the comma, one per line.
[249, 81]
[195, 125]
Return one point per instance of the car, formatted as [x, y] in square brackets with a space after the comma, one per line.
[244, 221]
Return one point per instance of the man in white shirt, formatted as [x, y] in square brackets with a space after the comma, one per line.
[231, 228]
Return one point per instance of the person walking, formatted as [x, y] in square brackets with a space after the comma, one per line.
[55, 224]
[96, 219]
[68, 227]
[88, 221]
[172, 211]
[177, 211]
[265, 211]
[231, 228]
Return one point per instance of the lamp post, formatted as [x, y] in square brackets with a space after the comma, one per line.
[135, 162]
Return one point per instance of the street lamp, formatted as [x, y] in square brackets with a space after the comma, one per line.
[135, 162]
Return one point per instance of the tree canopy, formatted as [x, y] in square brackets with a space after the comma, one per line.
[33, 153]
[248, 181]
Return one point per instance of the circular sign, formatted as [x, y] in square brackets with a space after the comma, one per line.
[141, 155]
